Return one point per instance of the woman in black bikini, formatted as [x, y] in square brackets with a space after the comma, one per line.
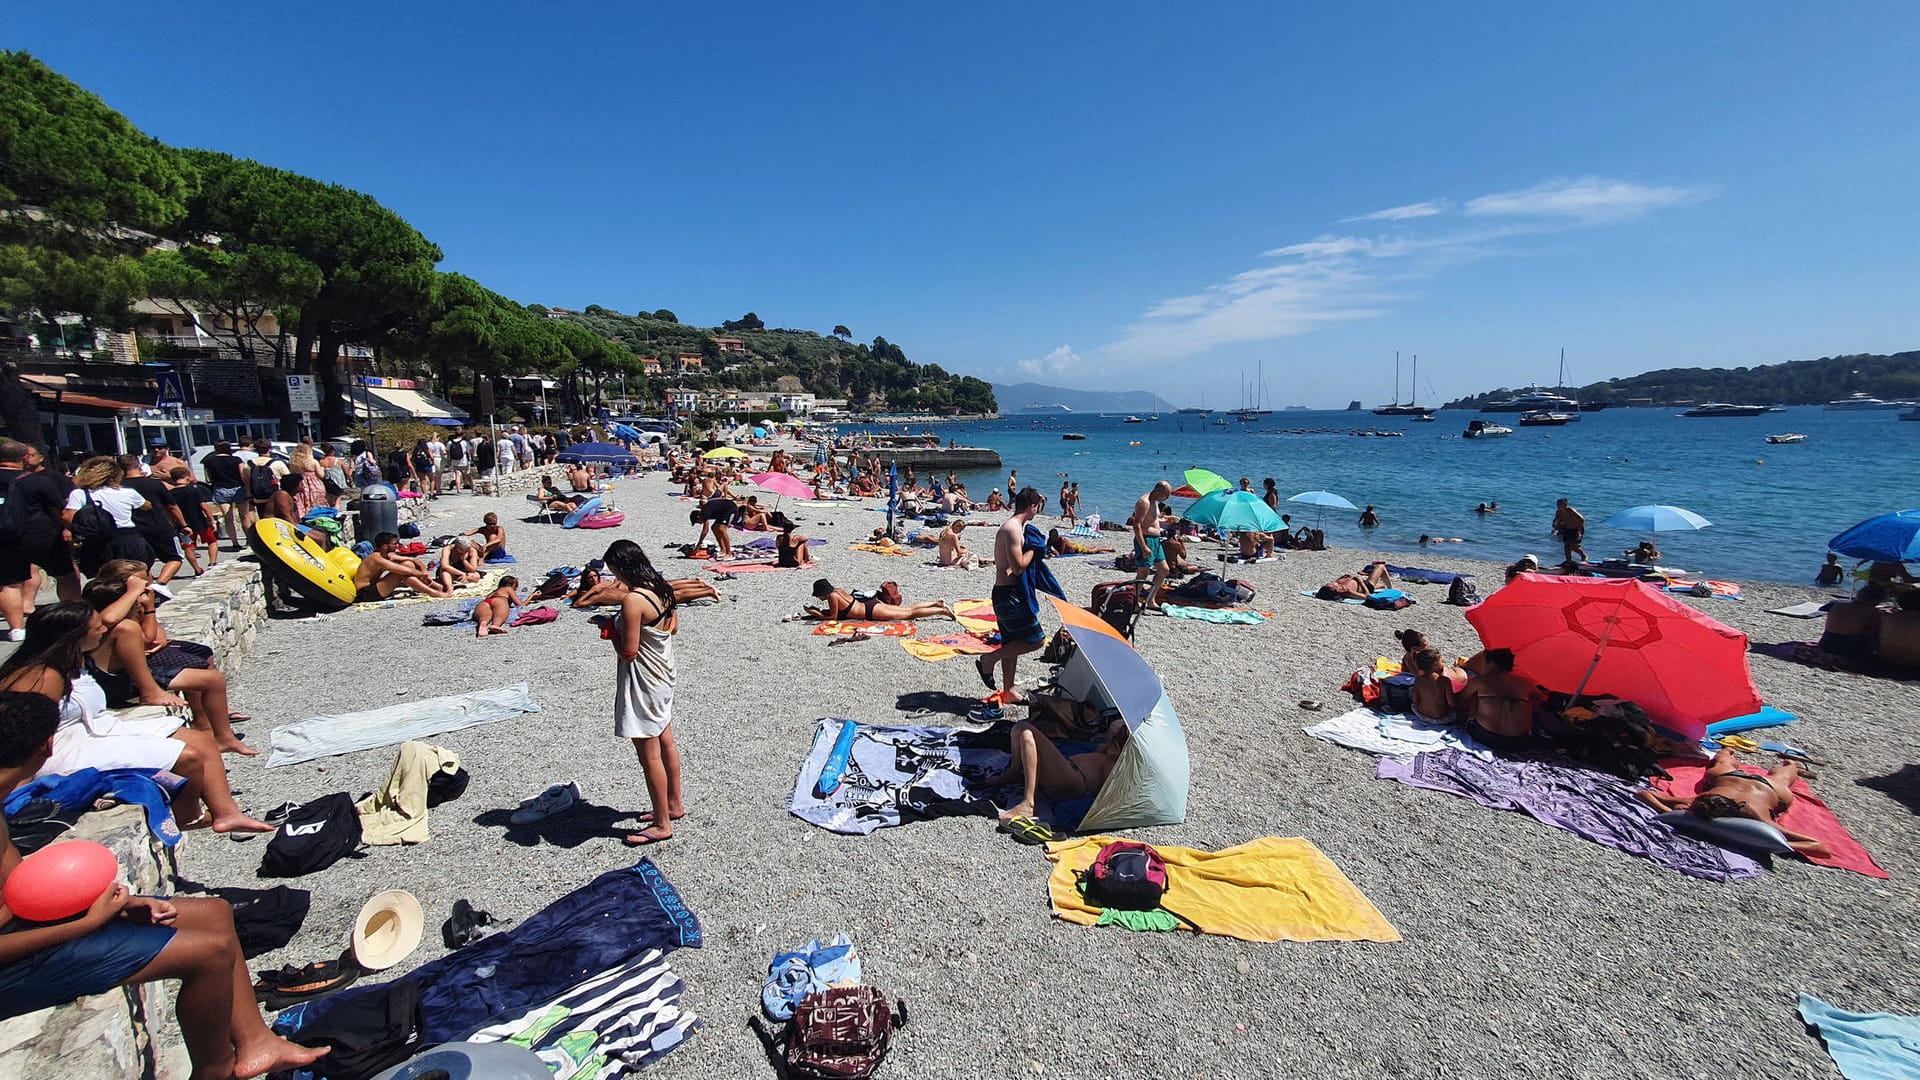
[790, 548]
[841, 604]
[1727, 791]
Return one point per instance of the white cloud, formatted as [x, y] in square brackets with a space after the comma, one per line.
[1408, 212]
[1335, 278]
[1589, 200]
[1061, 361]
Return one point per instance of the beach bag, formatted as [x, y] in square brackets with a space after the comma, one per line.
[840, 1033]
[888, 593]
[368, 1032]
[1389, 600]
[1126, 874]
[91, 523]
[316, 835]
[1118, 604]
[365, 472]
[1462, 592]
[261, 483]
[535, 617]
[1396, 693]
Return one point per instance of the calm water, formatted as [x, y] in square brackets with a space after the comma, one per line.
[1772, 507]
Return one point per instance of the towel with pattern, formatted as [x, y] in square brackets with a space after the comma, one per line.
[835, 627]
[1237, 616]
[945, 647]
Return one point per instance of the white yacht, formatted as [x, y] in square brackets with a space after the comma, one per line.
[1860, 402]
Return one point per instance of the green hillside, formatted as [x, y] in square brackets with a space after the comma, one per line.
[1796, 382]
[828, 365]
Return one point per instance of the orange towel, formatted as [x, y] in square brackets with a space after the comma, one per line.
[872, 629]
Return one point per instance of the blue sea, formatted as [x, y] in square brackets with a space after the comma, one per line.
[1773, 507]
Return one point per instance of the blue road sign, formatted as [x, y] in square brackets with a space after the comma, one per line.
[172, 390]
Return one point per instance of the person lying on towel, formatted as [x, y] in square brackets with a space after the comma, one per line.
[599, 589]
[1728, 792]
[841, 604]
[1356, 586]
[1039, 766]
[1058, 544]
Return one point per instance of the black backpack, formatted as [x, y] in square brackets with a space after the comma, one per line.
[317, 835]
[91, 522]
[1462, 592]
[13, 513]
[260, 481]
[368, 1032]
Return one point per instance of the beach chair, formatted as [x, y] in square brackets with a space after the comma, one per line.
[1118, 604]
[553, 517]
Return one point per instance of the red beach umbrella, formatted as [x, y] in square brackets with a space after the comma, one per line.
[1622, 637]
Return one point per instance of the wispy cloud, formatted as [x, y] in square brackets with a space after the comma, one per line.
[1430, 208]
[1588, 200]
[1061, 361]
[1341, 278]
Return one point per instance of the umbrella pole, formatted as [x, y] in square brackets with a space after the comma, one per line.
[1598, 648]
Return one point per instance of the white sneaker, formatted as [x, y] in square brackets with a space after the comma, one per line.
[557, 799]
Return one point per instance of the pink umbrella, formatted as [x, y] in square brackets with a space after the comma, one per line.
[783, 484]
[1622, 637]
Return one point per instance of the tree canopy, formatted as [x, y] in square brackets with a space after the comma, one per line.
[1796, 382]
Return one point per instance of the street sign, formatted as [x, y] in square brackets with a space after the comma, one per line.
[302, 394]
[172, 390]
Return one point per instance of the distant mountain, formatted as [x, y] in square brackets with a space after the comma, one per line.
[1794, 382]
[1013, 397]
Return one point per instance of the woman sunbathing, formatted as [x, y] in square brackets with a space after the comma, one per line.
[1058, 544]
[790, 548]
[1357, 586]
[840, 604]
[1727, 791]
[459, 564]
[602, 590]
[1038, 766]
[493, 612]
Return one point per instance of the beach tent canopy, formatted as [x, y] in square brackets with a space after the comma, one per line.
[1888, 538]
[596, 453]
[1148, 785]
[1623, 637]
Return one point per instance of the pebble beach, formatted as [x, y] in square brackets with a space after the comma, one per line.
[1527, 951]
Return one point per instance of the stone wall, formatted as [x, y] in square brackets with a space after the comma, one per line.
[128, 1032]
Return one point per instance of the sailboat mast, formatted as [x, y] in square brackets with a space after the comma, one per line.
[1413, 398]
[1563, 368]
[1396, 376]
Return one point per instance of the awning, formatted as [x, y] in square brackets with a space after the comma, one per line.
[391, 401]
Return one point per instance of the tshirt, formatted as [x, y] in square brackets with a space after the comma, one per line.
[159, 496]
[192, 499]
[42, 496]
[119, 502]
[436, 450]
[223, 470]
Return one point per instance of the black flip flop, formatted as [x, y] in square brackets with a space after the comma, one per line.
[985, 670]
[293, 984]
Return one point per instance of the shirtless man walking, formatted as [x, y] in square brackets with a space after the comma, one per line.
[383, 571]
[1571, 527]
[1020, 630]
[1148, 555]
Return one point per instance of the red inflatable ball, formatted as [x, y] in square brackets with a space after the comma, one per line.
[60, 880]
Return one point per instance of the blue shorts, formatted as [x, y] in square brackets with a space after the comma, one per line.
[1016, 620]
[90, 965]
[1150, 555]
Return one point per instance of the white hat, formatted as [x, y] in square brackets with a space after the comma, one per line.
[387, 929]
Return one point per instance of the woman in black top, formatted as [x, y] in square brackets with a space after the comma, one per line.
[790, 548]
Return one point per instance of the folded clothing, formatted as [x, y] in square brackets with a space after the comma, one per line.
[1808, 816]
[1270, 889]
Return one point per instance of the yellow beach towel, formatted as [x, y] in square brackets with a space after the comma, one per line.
[1270, 889]
[880, 549]
[976, 616]
[934, 650]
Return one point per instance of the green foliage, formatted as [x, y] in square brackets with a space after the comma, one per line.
[843, 333]
[663, 315]
[1797, 382]
[749, 321]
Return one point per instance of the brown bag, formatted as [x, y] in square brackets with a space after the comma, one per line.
[889, 593]
[841, 1033]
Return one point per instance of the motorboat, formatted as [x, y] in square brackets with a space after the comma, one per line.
[1722, 409]
[1219, 421]
[1534, 399]
[1789, 437]
[1072, 436]
[1425, 418]
[1546, 418]
[1481, 429]
[1861, 402]
[1133, 420]
[1153, 419]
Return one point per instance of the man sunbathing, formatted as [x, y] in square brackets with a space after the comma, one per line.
[841, 604]
[1039, 766]
[1726, 792]
[383, 571]
[1255, 545]
[493, 537]
[493, 612]
[1060, 544]
[952, 551]
[1356, 586]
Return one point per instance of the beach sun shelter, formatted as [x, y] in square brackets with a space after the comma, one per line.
[1148, 785]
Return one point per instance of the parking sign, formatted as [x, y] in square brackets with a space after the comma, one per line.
[302, 394]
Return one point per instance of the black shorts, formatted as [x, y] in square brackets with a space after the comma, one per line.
[16, 564]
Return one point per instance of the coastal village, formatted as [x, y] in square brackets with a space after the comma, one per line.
[404, 681]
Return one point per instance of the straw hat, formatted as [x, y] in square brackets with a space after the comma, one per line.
[387, 929]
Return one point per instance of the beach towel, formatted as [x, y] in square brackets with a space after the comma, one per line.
[1239, 616]
[1394, 735]
[746, 568]
[1314, 594]
[344, 733]
[1594, 805]
[149, 789]
[901, 773]
[613, 1024]
[1037, 578]
[976, 616]
[489, 581]
[881, 549]
[1812, 609]
[1421, 574]
[1808, 816]
[615, 919]
[836, 627]
[1722, 590]
[1270, 889]
[945, 647]
[1866, 1046]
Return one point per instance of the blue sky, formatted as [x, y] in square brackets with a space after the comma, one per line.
[1108, 196]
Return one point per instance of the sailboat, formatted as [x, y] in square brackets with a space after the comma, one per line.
[1410, 408]
[1254, 396]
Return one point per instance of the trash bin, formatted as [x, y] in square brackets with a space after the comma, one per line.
[377, 514]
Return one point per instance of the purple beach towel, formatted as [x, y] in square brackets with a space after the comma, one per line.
[1597, 806]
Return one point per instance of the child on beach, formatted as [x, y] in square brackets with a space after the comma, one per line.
[642, 636]
[493, 538]
[493, 612]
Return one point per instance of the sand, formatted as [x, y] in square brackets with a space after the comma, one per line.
[1527, 951]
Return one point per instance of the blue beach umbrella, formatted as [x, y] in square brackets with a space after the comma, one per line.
[596, 453]
[1321, 501]
[1235, 511]
[1888, 538]
[1657, 518]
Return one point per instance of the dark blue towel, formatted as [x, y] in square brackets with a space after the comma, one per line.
[82, 786]
[1415, 573]
[1038, 577]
